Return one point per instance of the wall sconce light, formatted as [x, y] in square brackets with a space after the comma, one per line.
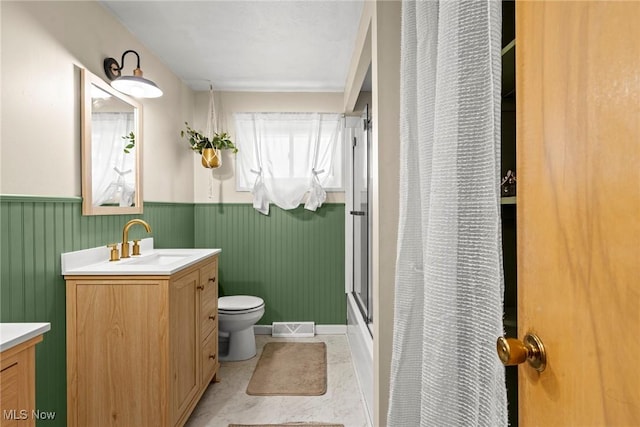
[136, 85]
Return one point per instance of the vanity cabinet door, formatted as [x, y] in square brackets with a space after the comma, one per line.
[116, 347]
[184, 337]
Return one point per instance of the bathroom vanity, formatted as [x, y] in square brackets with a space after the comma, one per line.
[142, 335]
[18, 372]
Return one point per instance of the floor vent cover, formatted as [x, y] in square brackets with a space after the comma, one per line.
[293, 329]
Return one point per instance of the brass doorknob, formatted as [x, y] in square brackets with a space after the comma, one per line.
[513, 351]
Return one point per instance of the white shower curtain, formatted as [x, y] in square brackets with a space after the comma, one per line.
[449, 280]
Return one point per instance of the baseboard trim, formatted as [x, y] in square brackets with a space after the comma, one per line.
[320, 329]
[331, 329]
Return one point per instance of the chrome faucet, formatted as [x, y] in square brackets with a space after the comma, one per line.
[124, 247]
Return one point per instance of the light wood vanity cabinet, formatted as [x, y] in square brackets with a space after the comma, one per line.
[141, 350]
[18, 384]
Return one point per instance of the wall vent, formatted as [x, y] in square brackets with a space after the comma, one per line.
[293, 329]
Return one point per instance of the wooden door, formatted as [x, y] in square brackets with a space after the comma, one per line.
[578, 118]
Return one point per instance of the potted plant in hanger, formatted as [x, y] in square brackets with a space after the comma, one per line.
[209, 148]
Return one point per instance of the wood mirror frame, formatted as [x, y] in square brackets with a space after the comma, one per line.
[125, 193]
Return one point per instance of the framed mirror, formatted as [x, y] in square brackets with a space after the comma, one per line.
[111, 149]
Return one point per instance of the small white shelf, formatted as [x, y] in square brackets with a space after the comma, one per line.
[507, 48]
[509, 69]
[508, 200]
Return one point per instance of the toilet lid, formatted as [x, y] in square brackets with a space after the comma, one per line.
[239, 303]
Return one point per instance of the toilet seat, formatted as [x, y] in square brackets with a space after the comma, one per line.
[239, 304]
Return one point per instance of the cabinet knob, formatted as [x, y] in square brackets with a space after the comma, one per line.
[212, 317]
[201, 287]
[212, 279]
[212, 356]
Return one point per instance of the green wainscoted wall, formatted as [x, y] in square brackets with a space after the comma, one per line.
[294, 260]
[34, 231]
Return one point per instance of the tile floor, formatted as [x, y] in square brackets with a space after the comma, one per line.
[227, 401]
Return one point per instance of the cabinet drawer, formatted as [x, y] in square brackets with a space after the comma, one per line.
[208, 318]
[209, 282]
[208, 298]
[210, 361]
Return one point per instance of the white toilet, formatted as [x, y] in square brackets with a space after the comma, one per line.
[236, 316]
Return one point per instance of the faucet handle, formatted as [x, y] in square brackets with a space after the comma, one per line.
[136, 247]
[115, 255]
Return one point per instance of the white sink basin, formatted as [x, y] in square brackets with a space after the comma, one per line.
[95, 262]
[158, 259]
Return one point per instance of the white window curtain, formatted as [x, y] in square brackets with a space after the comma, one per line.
[283, 156]
[113, 170]
[449, 283]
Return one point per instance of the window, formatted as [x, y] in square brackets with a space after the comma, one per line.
[288, 147]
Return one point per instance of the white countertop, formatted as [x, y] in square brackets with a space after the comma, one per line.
[12, 334]
[95, 262]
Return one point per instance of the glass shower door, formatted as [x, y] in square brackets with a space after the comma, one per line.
[361, 220]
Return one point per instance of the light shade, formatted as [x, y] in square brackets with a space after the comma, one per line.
[135, 85]
[138, 87]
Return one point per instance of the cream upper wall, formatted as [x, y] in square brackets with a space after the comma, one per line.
[222, 180]
[44, 45]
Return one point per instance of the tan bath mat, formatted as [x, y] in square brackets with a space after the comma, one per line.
[290, 369]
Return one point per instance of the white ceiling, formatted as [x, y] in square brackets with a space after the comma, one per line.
[286, 45]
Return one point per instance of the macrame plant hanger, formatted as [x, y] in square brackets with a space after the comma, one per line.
[211, 129]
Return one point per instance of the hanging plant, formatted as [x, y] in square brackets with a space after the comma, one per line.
[198, 142]
[132, 142]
